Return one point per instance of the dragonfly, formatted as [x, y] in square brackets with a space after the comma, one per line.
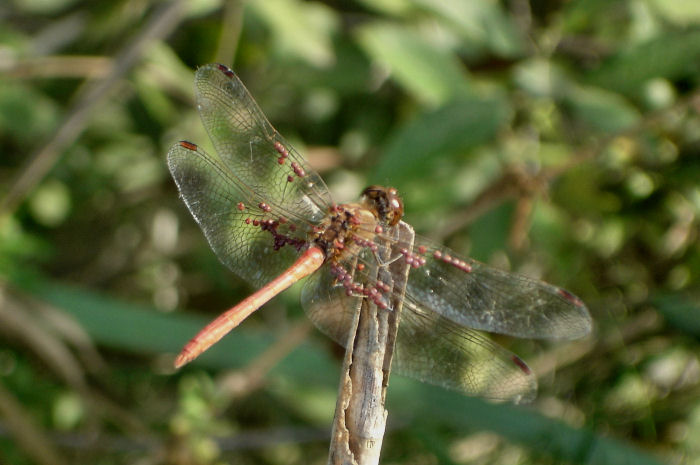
[270, 218]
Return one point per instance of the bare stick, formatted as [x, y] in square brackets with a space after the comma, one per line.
[360, 417]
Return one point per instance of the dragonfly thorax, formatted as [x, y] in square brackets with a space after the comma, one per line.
[347, 228]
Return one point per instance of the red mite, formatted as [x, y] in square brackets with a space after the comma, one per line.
[297, 231]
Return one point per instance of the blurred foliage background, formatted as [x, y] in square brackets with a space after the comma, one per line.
[559, 139]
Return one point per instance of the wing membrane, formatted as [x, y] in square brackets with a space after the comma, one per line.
[429, 347]
[213, 199]
[478, 296]
[258, 158]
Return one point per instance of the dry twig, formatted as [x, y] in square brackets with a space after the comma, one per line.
[360, 417]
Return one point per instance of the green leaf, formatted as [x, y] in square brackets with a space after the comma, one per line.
[143, 330]
[431, 74]
[536, 432]
[389, 7]
[584, 15]
[489, 233]
[602, 110]
[479, 22]
[681, 12]
[302, 29]
[681, 310]
[455, 128]
[25, 114]
[670, 56]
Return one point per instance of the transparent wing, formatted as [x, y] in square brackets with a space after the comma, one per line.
[475, 295]
[429, 347]
[436, 350]
[254, 242]
[256, 156]
[328, 306]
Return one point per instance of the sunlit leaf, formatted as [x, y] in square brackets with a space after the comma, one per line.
[481, 22]
[681, 12]
[301, 28]
[432, 74]
[602, 110]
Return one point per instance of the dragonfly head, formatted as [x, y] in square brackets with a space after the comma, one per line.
[385, 203]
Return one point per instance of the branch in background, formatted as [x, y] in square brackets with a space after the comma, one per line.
[241, 383]
[513, 183]
[516, 183]
[59, 66]
[163, 21]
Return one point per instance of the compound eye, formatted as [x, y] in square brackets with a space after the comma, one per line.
[395, 207]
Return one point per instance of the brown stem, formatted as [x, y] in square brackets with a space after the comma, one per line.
[360, 416]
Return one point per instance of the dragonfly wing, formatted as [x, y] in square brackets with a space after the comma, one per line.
[436, 350]
[328, 306]
[429, 347]
[259, 159]
[229, 223]
[478, 296]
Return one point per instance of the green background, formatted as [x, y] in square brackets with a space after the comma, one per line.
[558, 139]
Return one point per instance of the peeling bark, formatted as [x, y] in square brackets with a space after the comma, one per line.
[360, 416]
